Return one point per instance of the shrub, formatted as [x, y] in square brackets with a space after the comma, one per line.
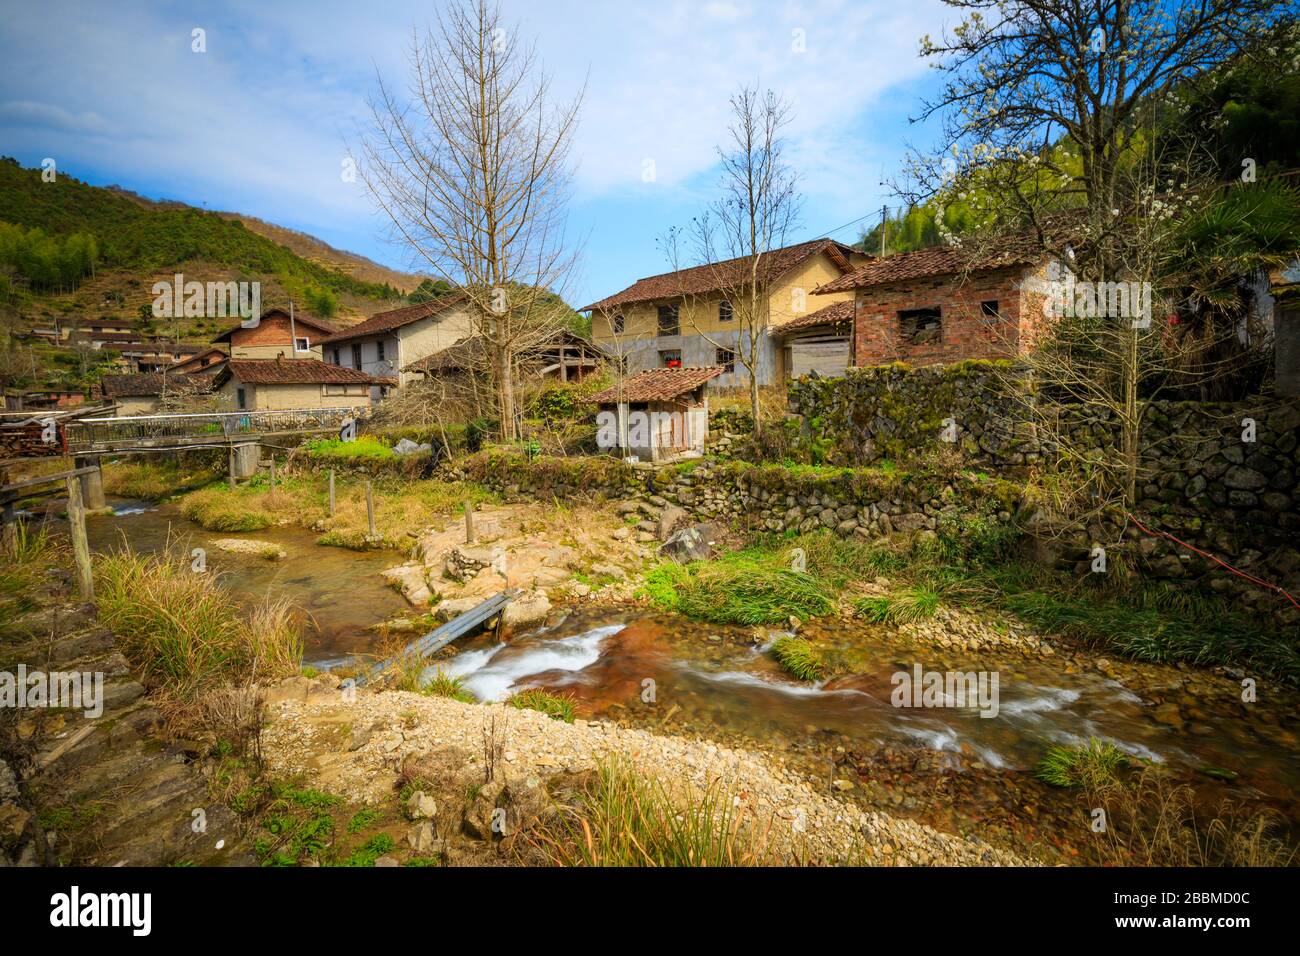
[740, 588]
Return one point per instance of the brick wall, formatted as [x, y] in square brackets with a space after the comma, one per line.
[966, 332]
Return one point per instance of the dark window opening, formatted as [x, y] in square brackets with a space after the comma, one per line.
[668, 320]
[671, 358]
[989, 309]
[356, 357]
[920, 326]
[379, 351]
[336, 357]
[725, 313]
[240, 398]
[727, 359]
[616, 323]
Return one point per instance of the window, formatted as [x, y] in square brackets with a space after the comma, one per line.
[920, 326]
[725, 313]
[356, 357]
[617, 323]
[668, 320]
[302, 345]
[727, 359]
[336, 356]
[240, 398]
[671, 358]
[989, 309]
[379, 351]
[347, 389]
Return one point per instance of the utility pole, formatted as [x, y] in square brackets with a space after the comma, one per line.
[884, 227]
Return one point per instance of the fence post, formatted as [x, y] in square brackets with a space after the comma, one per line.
[370, 507]
[80, 544]
[469, 521]
[273, 472]
[331, 492]
[9, 538]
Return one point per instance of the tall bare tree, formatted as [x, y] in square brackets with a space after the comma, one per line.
[735, 238]
[473, 172]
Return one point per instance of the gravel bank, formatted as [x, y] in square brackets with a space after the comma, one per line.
[356, 748]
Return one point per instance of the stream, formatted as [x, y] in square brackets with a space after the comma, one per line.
[636, 665]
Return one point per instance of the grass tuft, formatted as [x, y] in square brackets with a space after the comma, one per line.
[799, 657]
[555, 706]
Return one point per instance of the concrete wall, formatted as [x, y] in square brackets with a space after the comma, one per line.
[261, 398]
[404, 346]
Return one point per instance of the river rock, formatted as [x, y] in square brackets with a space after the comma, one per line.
[669, 519]
[527, 609]
[421, 806]
[690, 544]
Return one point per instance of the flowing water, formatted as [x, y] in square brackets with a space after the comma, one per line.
[722, 681]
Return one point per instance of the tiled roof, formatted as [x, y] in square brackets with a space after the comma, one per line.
[720, 275]
[297, 372]
[145, 384]
[656, 385]
[1014, 249]
[831, 314]
[299, 318]
[396, 318]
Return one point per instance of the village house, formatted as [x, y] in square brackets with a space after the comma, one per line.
[389, 344]
[944, 304]
[656, 415]
[143, 393]
[685, 318]
[207, 362]
[278, 334]
[566, 357]
[259, 385]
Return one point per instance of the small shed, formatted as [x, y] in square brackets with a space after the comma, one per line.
[657, 415]
[820, 341]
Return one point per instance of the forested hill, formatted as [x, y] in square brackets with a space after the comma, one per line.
[151, 238]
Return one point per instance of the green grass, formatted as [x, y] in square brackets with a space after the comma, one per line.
[24, 566]
[747, 587]
[363, 447]
[445, 685]
[220, 509]
[371, 850]
[362, 819]
[799, 657]
[1097, 763]
[904, 607]
[152, 480]
[555, 706]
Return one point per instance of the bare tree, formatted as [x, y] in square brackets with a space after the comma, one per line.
[474, 173]
[734, 240]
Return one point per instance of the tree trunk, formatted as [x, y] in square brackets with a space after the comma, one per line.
[505, 392]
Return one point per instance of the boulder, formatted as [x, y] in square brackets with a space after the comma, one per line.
[527, 609]
[421, 806]
[669, 519]
[695, 543]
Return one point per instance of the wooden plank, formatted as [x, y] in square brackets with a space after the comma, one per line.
[442, 636]
[9, 492]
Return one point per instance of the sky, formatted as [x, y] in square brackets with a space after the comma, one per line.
[261, 121]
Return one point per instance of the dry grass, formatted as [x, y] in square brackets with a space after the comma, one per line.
[184, 633]
[626, 819]
[1153, 821]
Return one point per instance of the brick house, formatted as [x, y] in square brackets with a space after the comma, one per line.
[278, 334]
[685, 319]
[944, 304]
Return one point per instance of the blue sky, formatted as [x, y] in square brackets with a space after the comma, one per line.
[260, 123]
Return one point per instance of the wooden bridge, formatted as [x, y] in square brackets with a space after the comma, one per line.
[458, 626]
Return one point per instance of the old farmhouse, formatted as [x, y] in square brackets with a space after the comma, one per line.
[389, 344]
[278, 333]
[656, 415]
[685, 318]
[279, 384]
